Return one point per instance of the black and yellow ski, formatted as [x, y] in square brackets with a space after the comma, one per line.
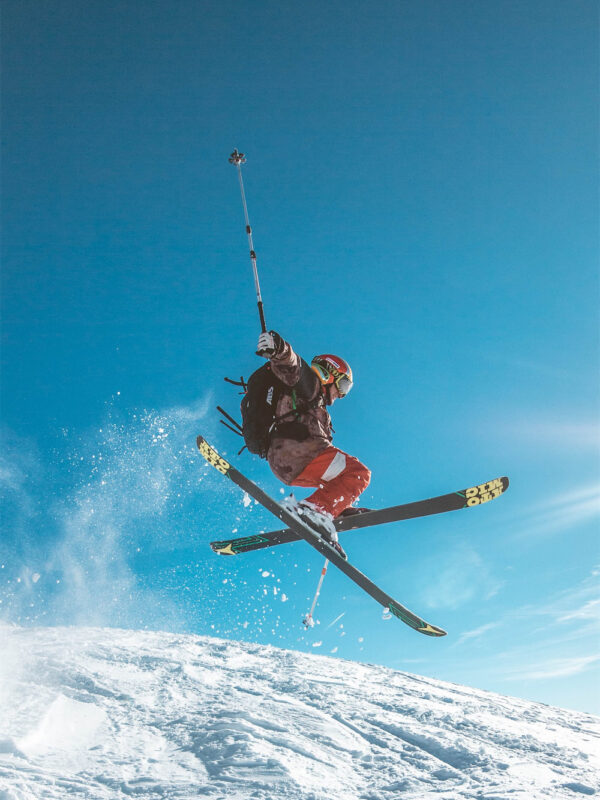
[463, 498]
[309, 535]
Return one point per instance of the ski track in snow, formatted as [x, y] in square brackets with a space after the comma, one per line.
[99, 713]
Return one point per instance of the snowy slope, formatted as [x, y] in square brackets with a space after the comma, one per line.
[97, 713]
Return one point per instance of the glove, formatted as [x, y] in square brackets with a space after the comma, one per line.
[270, 344]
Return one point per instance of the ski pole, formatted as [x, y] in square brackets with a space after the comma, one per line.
[308, 620]
[238, 159]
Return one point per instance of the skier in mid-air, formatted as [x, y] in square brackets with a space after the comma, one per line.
[285, 419]
[300, 451]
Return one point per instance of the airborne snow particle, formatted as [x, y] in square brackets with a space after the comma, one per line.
[35, 577]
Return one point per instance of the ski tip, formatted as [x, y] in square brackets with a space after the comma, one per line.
[223, 548]
[413, 621]
[484, 492]
[431, 630]
[210, 454]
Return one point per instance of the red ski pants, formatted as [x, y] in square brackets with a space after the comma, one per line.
[340, 479]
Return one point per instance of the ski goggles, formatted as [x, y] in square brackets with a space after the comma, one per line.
[341, 380]
[343, 384]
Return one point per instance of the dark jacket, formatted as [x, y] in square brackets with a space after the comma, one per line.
[306, 429]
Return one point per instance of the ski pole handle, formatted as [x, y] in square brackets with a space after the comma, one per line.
[261, 314]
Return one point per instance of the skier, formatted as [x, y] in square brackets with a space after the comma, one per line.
[300, 450]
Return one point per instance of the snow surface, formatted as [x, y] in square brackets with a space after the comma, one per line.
[103, 713]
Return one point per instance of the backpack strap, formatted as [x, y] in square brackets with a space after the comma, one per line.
[231, 419]
[299, 407]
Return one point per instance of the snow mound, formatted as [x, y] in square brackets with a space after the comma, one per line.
[94, 713]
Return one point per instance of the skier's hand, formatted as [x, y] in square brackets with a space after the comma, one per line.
[270, 344]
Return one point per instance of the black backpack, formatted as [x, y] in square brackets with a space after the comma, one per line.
[259, 404]
[262, 392]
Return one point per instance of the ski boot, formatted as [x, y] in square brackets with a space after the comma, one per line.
[320, 522]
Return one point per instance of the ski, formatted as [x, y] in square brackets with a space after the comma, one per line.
[313, 538]
[464, 498]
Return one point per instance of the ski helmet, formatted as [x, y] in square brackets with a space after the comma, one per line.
[333, 369]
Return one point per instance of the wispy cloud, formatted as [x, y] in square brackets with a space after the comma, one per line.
[566, 434]
[555, 668]
[566, 631]
[579, 603]
[476, 633]
[538, 367]
[562, 512]
[461, 577]
[589, 610]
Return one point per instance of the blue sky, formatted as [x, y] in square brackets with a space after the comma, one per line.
[422, 186]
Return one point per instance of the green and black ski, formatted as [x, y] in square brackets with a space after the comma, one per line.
[465, 498]
[308, 534]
